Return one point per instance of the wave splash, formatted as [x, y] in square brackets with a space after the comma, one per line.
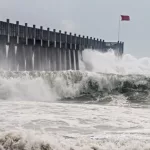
[81, 85]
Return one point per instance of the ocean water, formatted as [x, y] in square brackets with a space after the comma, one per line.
[104, 106]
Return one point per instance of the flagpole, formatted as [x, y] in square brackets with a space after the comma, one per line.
[119, 29]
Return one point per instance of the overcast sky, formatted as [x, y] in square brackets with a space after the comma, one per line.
[96, 18]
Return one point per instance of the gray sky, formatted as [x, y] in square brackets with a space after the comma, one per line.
[97, 18]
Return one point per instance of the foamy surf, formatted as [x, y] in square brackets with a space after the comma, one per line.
[24, 141]
[56, 126]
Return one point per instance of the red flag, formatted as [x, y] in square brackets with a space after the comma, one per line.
[125, 18]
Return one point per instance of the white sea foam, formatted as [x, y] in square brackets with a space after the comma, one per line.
[72, 126]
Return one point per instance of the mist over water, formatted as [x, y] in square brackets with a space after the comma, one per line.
[104, 106]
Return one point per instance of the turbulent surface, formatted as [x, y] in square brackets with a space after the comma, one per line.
[105, 108]
[76, 126]
[68, 125]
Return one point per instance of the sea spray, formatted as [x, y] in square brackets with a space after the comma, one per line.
[96, 61]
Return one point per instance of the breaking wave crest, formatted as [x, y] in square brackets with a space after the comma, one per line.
[51, 86]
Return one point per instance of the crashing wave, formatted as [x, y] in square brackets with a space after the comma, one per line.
[74, 84]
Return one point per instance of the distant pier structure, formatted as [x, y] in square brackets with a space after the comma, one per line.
[24, 48]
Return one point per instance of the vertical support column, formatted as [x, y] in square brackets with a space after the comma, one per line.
[90, 42]
[67, 53]
[17, 25]
[75, 41]
[83, 42]
[48, 50]
[117, 49]
[26, 34]
[75, 49]
[58, 53]
[16, 46]
[28, 51]
[71, 53]
[77, 54]
[8, 31]
[21, 51]
[41, 35]
[122, 48]
[103, 46]
[12, 43]
[96, 46]
[59, 50]
[7, 61]
[42, 51]
[93, 44]
[54, 51]
[100, 45]
[18, 42]
[34, 35]
[36, 68]
[87, 43]
[45, 45]
[3, 41]
[63, 54]
[80, 43]
[36, 50]
[82, 47]
[52, 56]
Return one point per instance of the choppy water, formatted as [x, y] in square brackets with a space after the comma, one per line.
[103, 106]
